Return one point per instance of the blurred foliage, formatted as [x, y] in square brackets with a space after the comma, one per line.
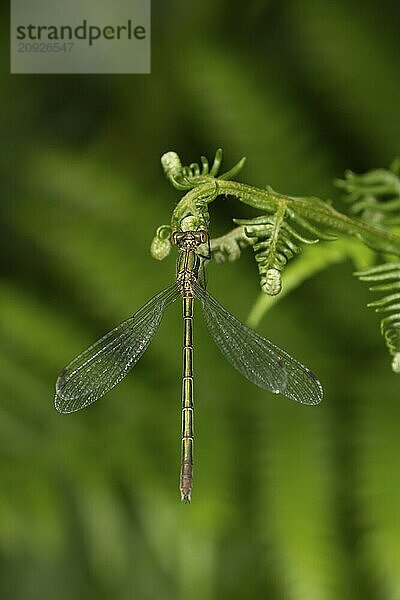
[289, 502]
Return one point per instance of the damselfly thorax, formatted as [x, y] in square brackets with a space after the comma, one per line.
[188, 266]
[99, 368]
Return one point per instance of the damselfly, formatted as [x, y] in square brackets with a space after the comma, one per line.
[103, 365]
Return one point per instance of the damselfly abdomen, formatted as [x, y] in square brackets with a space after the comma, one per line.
[99, 368]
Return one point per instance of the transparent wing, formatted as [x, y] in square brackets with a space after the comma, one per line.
[99, 368]
[256, 358]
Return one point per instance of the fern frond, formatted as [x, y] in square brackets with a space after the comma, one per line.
[228, 247]
[374, 196]
[187, 177]
[388, 278]
[313, 261]
[275, 242]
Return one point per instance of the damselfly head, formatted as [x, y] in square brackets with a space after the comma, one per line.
[188, 240]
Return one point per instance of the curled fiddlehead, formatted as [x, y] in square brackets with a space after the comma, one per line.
[195, 214]
[276, 238]
[202, 185]
[188, 177]
[387, 276]
[287, 223]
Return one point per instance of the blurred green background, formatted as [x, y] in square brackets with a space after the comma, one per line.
[290, 502]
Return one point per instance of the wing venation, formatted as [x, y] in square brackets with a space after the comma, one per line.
[99, 368]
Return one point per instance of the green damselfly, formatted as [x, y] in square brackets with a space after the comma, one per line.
[99, 368]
